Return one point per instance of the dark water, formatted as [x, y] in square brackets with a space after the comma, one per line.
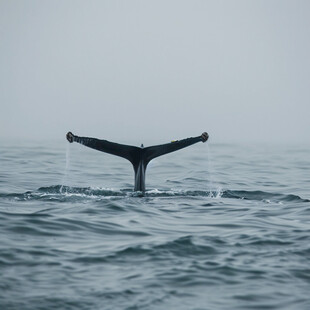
[221, 227]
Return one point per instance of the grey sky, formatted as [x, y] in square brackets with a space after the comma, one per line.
[139, 71]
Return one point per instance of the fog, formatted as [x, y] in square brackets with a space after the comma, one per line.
[153, 71]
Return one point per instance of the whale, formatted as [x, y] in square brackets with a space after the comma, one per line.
[139, 157]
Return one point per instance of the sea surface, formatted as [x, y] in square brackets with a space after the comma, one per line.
[221, 226]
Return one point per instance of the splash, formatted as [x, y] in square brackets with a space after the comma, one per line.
[62, 193]
[213, 188]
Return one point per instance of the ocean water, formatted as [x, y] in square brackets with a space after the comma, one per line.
[221, 226]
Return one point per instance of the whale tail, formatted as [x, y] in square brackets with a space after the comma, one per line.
[138, 156]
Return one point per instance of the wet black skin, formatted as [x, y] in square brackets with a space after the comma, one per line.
[138, 156]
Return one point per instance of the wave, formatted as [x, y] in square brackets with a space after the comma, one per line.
[180, 247]
[64, 193]
[261, 195]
